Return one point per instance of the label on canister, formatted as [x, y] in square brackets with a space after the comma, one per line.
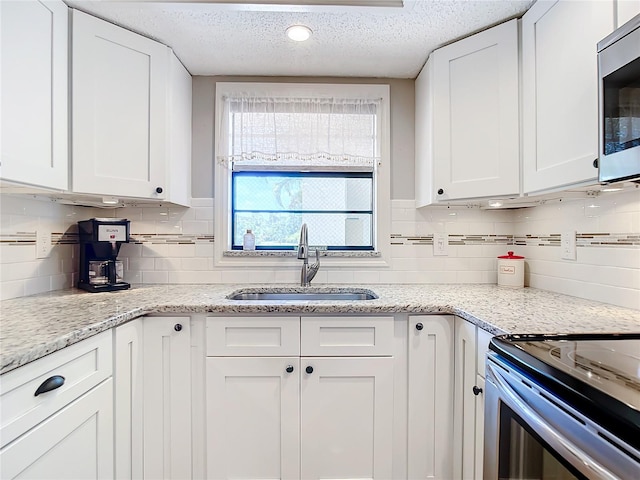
[507, 269]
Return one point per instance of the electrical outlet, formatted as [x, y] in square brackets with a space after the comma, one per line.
[440, 244]
[568, 245]
[43, 243]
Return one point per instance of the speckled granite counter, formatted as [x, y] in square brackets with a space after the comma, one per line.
[31, 327]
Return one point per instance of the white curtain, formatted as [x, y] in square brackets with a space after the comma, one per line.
[293, 133]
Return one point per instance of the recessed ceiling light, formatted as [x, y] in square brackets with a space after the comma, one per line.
[110, 200]
[611, 189]
[495, 203]
[299, 33]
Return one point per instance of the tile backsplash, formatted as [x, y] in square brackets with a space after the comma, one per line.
[175, 245]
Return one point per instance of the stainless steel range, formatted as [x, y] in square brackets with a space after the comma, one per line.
[563, 406]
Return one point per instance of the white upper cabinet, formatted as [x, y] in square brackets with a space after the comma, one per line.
[560, 91]
[119, 110]
[34, 65]
[179, 133]
[474, 102]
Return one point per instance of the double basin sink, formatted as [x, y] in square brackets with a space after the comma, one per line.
[300, 294]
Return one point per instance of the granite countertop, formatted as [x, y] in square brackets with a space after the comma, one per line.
[32, 327]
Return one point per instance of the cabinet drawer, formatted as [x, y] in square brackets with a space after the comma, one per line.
[83, 366]
[251, 336]
[346, 336]
[484, 338]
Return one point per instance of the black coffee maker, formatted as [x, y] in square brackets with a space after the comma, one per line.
[100, 241]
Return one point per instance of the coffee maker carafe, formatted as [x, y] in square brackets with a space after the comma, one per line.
[100, 241]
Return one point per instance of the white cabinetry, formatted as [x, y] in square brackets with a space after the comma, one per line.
[128, 394]
[470, 349]
[65, 432]
[626, 10]
[470, 88]
[34, 65]
[308, 416]
[119, 110]
[560, 91]
[430, 425]
[167, 397]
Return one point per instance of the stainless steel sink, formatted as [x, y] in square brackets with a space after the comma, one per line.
[271, 295]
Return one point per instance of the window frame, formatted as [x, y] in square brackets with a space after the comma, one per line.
[224, 256]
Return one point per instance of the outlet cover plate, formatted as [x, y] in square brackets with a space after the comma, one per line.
[43, 243]
[440, 244]
[568, 245]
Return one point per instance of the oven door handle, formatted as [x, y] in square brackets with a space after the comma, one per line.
[583, 462]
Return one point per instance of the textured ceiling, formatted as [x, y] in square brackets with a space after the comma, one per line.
[225, 39]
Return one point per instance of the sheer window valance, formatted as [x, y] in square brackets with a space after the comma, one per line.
[290, 133]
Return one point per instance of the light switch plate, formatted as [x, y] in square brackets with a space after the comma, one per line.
[568, 245]
[440, 244]
[43, 243]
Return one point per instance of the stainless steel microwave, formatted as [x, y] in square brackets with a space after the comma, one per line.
[619, 104]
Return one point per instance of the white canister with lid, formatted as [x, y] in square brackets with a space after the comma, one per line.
[511, 270]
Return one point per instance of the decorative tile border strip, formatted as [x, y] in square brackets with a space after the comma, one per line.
[541, 240]
[293, 253]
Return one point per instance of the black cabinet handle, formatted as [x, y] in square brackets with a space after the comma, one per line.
[595, 163]
[477, 390]
[159, 190]
[309, 369]
[49, 384]
[177, 327]
[440, 191]
[289, 368]
[419, 326]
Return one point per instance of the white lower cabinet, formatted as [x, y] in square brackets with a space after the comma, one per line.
[471, 345]
[57, 415]
[346, 417]
[128, 395]
[294, 417]
[430, 367]
[253, 406]
[74, 443]
[167, 397]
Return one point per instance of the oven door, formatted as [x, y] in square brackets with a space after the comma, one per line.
[532, 434]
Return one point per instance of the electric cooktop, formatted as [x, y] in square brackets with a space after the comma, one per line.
[595, 373]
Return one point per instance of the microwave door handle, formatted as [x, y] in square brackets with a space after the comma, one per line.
[559, 443]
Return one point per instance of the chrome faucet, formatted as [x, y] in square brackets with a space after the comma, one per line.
[308, 271]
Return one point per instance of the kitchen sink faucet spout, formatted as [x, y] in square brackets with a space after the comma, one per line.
[308, 271]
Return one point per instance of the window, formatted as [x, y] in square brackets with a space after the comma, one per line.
[289, 154]
[336, 206]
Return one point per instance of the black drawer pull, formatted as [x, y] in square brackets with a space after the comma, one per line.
[476, 390]
[49, 384]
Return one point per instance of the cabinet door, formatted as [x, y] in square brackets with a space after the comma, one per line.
[476, 140]
[626, 10]
[479, 426]
[34, 65]
[253, 428]
[119, 110]
[464, 401]
[346, 412]
[74, 443]
[167, 397]
[430, 396]
[560, 91]
[128, 374]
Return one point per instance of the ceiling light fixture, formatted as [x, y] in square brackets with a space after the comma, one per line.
[299, 33]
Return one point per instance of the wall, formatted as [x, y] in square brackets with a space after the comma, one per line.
[21, 273]
[175, 245]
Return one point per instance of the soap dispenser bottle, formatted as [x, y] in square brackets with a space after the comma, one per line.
[249, 241]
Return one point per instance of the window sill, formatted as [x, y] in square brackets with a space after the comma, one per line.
[294, 254]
